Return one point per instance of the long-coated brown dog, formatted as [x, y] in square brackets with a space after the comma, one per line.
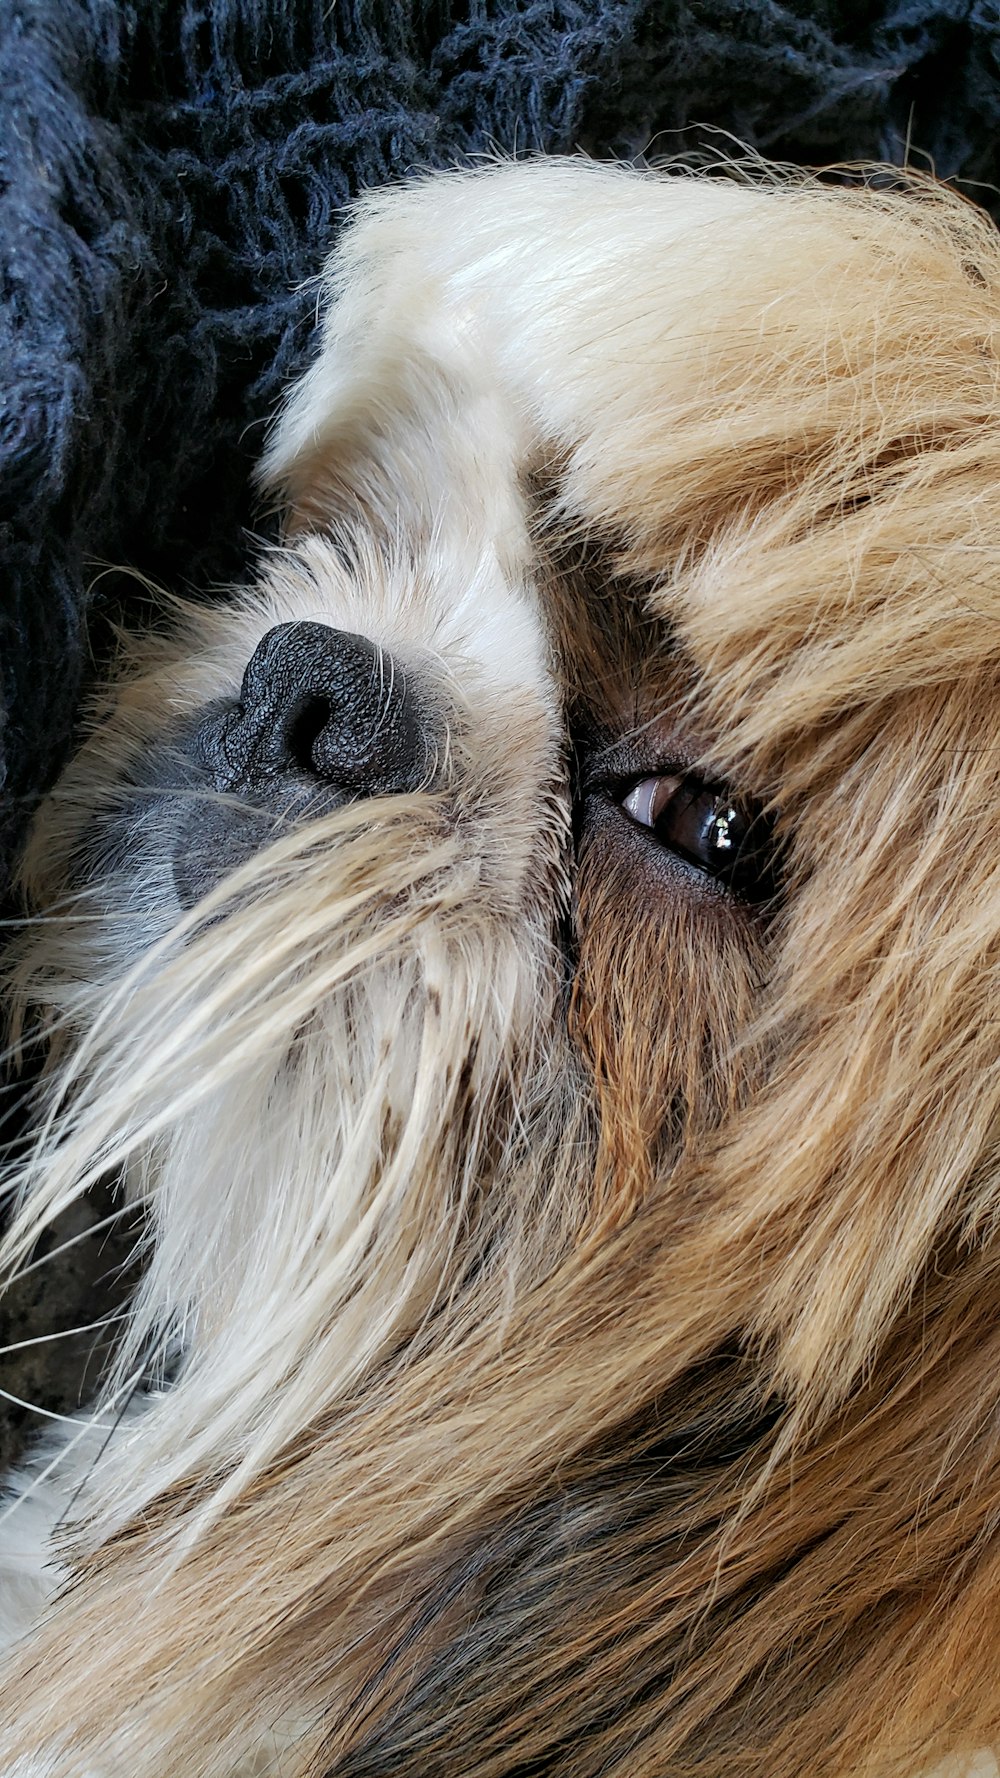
[535, 958]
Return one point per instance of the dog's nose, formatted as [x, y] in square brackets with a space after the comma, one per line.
[331, 705]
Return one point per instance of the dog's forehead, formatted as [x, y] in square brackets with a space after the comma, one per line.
[769, 426]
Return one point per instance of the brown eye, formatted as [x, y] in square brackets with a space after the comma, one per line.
[727, 837]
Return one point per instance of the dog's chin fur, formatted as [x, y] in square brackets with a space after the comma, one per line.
[570, 1329]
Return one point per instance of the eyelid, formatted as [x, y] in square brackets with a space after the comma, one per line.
[620, 764]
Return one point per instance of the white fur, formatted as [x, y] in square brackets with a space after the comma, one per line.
[476, 331]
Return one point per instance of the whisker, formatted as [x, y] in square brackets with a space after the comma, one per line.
[128, 1392]
[62, 1333]
[33, 1407]
[71, 1241]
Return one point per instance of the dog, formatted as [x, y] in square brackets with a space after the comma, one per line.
[531, 960]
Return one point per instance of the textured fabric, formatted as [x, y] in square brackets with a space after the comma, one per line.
[171, 171]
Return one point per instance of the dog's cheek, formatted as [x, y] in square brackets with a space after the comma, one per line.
[667, 984]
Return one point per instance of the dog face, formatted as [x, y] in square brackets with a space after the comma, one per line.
[532, 956]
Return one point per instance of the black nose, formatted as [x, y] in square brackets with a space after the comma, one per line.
[330, 705]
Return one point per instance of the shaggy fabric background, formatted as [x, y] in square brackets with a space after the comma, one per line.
[171, 171]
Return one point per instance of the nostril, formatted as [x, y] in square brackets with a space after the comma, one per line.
[327, 704]
[303, 729]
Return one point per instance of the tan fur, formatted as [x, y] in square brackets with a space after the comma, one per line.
[593, 1376]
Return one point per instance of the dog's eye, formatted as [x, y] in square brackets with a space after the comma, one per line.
[727, 837]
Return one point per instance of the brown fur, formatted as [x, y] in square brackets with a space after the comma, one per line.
[692, 1468]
